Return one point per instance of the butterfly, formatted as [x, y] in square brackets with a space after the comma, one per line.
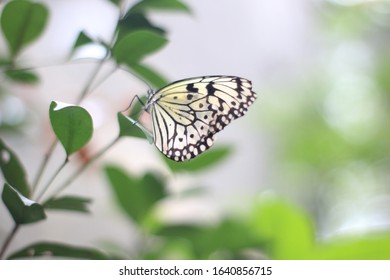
[187, 114]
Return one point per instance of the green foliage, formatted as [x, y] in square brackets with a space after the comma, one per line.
[127, 127]
[170, 5]
[136, 21]
[133, 47]
[13, 170]
[136, 196]
[22, 22]
[287, 232]
[312, 149]
[149, 75]
[82, 39]
[22, 209]
[71, 203]
[22, 76]
[203, 162]
[72, 125]
[50, 249]
[372, 246]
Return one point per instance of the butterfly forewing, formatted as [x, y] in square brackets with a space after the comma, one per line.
[186, 114]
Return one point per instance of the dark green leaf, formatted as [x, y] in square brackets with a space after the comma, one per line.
[132, 48]
[82, 39]
[136, 21]
[116, 2]
[202, 162]
[22, 22]
[72, 203]
[51, 249]
[128, 128]
[23, 76]
[286, 230]
[22, 209]
[167, 5]
[13, 170]
[136, 196]
[149, 75]
[72, 125]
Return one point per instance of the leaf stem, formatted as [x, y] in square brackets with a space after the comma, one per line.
[52, 178]
[91, 79]
[43, 166]
[84, 167]
[8, 240]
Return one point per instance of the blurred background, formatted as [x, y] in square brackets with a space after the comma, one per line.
[308, 168]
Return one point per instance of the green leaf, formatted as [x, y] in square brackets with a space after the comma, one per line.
[82, 39]
[132, 128]
[132, 48]
[51, 249]
[167, 5]
[136, 196]
[22, 22]
[71, 124]
[22, 76]
[286, 230]
[149, 75]
[116, 2]
[22, 209]
[230, 236]
[13, 170]
[136, 21]
[72, 203]
[373, 246]
[202, 162]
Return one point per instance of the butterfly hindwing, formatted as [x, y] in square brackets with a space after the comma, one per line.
[186, 114]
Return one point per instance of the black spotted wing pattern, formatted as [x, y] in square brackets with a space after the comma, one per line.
[188, 113]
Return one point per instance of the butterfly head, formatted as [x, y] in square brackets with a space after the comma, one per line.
[149, 101]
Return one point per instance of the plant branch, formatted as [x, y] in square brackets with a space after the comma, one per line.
[43, 166]
[84, 167]
[8, 240]
[52, 178]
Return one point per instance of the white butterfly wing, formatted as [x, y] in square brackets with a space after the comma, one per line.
[186, 114]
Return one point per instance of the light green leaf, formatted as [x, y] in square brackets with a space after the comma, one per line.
[22, 209]
[132, 48]
[71, 124]
[22, 22]
[286, 230]
[373, 246]
[51, 249]
[13, 170]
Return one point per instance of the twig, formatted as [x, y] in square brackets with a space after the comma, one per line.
[71, 178]
[8, 240]
[52, 178]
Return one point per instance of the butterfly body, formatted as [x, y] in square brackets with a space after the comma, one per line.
[186, 114]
